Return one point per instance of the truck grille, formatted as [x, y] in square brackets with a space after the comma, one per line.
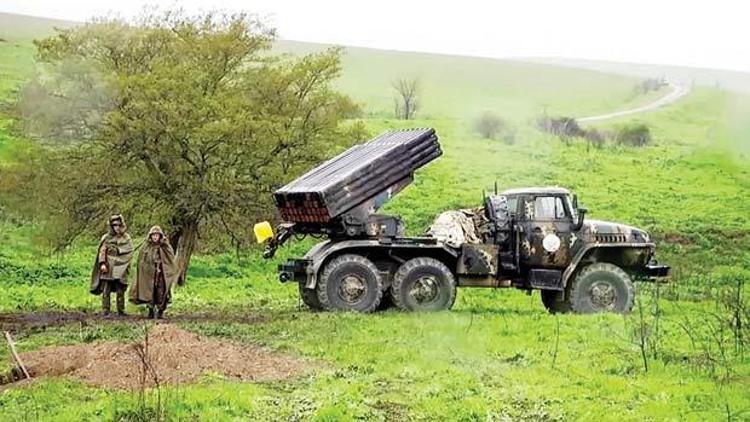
[611, 238]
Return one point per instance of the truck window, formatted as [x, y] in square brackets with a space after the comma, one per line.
[549, 208]
[513, 205]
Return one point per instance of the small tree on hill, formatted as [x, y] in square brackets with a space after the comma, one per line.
[406, 99]
[491, 126]
[178, 120]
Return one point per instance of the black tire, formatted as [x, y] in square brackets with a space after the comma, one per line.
[423, 284]
[556, 301]
[310, 297]
[602, 287]
[350, 283]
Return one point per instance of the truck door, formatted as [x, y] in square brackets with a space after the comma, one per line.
[547, 230]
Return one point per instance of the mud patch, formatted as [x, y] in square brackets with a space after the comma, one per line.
[29, 320]
[174, 356]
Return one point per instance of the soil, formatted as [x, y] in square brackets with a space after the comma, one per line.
[19, 321]
[171, 355]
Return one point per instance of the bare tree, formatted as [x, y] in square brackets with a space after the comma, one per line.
[405, 100]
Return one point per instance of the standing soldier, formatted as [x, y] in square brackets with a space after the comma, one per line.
[157, 270]
[111, 265]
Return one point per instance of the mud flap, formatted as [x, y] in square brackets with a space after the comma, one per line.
[546, 279]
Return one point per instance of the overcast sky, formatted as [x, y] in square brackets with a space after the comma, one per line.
[701, 33]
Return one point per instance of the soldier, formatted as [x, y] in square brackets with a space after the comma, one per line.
[112, 264]
[157, 271]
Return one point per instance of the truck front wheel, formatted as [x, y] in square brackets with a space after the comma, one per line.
[423, 284]
[350, 283]
[555, 301]
[310, 297]
[602, 287]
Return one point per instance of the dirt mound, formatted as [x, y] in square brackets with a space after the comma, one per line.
[172, 356]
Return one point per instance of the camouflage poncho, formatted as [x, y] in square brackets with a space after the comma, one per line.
[115, 251]
[152, 255]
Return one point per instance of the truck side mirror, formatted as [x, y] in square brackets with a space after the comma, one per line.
[581, 214]
[575, 201]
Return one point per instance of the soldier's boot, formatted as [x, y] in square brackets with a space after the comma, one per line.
[105, 299]
[151, 312]
[121, 301]
[160, 314]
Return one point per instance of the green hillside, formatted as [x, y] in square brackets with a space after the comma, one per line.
[712, 78]
[498, 355]
[462, 87]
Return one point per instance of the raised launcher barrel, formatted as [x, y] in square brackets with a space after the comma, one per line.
[358, 181]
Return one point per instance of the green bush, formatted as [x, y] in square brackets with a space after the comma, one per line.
[491, 126]
[34, 272]
[634, 135]
[595, 137]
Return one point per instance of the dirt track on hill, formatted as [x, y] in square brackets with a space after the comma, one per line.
[678, 91]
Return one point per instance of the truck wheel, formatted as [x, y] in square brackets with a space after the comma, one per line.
[602, 287]
[423, 284]
[350, 283]
[309, 297]
[555, 301]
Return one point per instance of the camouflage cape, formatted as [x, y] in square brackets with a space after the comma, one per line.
[119, 254]
[143, 290]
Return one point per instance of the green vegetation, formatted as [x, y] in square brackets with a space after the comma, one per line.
[201, 163]
[498, 354]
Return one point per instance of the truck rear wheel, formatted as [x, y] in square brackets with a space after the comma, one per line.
[350, 283]
[423, 284]
[602, 287]
[310, 297]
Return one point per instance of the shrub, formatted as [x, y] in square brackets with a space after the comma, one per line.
[563, 127]
[650, 84]
[491, 126]
[636, 135]
[595, 137]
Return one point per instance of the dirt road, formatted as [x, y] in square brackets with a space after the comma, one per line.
[678, 91]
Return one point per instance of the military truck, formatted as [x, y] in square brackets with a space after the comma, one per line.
[534, 238]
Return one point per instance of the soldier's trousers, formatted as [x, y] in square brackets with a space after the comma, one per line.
[160, 296]
[119, 289]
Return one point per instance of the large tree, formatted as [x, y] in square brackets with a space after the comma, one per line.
[187, 121]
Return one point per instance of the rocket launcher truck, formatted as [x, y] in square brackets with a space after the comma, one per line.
[535, 238]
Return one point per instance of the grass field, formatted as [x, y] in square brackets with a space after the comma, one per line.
[497, 355]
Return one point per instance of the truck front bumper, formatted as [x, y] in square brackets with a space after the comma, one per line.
[656, 271]
[294, 270]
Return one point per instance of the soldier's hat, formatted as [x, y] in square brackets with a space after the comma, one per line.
[156, 229]
[116, 217]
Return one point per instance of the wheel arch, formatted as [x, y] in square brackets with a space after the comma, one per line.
[631, 257]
